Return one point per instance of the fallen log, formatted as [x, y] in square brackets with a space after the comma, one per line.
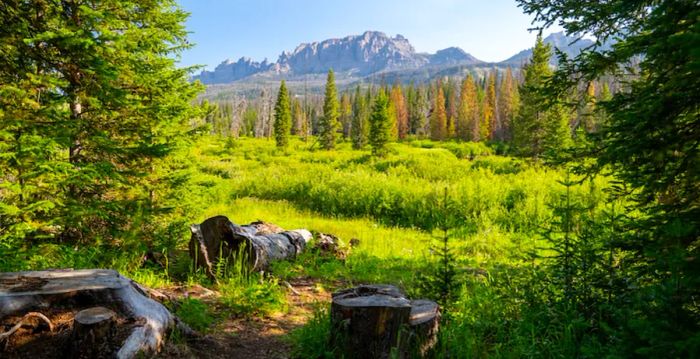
[217, 242]
[378, 321]
[21, 292]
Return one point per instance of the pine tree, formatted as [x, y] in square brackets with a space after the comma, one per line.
[380, 124]
[489, 122]
[541, 125]
[92, 101]
[508, 104]
[360, 120]
[401, 111]
[418, 109]
[283, 117]
[438, 118]
[467, 125]
[328, 123]
[345, 114]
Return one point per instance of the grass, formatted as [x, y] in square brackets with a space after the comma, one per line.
[500, 205]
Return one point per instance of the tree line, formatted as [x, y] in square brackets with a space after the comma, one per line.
[503, 106]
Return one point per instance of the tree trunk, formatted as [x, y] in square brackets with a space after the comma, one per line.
[219, 245]
[374, 321]
[93, 330]
[24, 291]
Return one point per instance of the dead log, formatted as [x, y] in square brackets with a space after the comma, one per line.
[252, 246]
[93, 331]
[21, 292]
[374, 321]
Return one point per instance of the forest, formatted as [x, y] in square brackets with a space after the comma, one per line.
[550, 211]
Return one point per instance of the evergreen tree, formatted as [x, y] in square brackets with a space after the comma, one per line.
[401, 111]
[283, 117]
[418, 109]
[467, 126]
[328, 123]
[489, 123]
[541, 124]
[649, 143]
[380, 124]
[345, 114]
[91, 102]
[508, 104]
[438, 118]
[360, 120]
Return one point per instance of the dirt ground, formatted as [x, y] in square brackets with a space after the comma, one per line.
[248, 338]
[255, 337]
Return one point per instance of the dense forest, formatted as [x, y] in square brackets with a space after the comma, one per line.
[550, 211]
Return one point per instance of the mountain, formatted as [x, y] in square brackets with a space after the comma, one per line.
[453, 56]
[357, 56]
[229, 71]
[372, 56]
[568, 45]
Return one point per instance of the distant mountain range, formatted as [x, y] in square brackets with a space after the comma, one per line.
[370, 54]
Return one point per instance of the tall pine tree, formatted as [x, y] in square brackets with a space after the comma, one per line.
[283, 117]
[438, 118]
[542, 125]
[380, 124]
[328, 123]
[360, 120]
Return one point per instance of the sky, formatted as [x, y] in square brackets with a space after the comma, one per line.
[491, 30]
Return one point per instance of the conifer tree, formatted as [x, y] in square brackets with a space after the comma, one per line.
[467, 126]
[541, 124]
[283, 117]
[438, 118]
[508, 103]
[345, 114]
[328, 123]
[418, 109]
[380, 124]
[360, 120]
[490, 120]
[90, 99]
[401, 109]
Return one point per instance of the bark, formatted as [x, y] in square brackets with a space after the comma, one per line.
[218, 244]
[21, 292]
[374, 321]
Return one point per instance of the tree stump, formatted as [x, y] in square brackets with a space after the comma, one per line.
[21, 292]
[374, 321]
[424, 324]
[248, 248]
[93, 330]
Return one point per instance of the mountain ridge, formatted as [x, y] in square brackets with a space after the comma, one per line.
[369, 54]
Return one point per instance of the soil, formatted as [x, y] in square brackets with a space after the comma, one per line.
[257, 337]
[35, 340]
[249, 338]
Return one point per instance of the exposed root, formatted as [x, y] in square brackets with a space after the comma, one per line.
[23, 321]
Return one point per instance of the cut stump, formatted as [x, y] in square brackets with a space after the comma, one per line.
[374, 321]
[93, 330]
[254, 246]
[21, 292]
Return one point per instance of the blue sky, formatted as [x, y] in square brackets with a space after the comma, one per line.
[491, 30]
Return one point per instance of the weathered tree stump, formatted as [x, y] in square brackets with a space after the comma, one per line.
[372, 321]
[93, 330]
[424, 324]
[252, 246]
[21, 292]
